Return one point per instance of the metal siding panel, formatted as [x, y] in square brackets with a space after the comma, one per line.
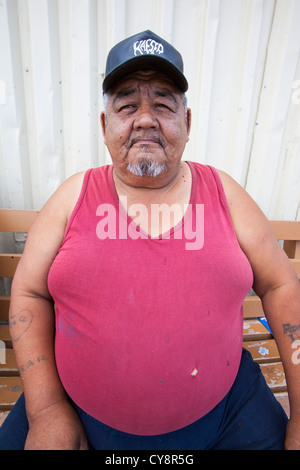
[12, 189]
[286, 194]
[233, 99]
[30, 90]
[241, 61]
[276, 91]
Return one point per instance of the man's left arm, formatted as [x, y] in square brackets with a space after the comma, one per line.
[276, 283]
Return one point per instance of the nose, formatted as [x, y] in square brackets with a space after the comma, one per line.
[145, 117]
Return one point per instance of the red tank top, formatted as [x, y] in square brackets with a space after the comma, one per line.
[148, 330]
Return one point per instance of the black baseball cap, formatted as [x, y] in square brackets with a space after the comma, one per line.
[144, 51]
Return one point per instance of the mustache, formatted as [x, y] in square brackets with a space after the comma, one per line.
[142, 137]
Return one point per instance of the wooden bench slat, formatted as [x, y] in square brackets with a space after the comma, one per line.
[286, 230]
[5, 335]
[274, 376]
[12, 220]
[296, 264]
[10, 390]
[253, 330]
[8, 264]
[263, 351]
[283, 399]
[10, 367]
[292, 248]
[252, 307]
[4, 308]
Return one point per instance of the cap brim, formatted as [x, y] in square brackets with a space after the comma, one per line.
[158, 64]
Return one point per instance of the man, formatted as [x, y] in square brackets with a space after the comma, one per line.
[148, 328]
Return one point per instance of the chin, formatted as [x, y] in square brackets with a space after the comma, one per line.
[147, 167]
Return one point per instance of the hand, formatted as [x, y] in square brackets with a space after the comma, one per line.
[292, 437]
[57, 427]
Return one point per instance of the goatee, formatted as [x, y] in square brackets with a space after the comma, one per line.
[146, 167]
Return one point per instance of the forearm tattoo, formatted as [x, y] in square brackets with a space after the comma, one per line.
[292, 331]
[20, 323]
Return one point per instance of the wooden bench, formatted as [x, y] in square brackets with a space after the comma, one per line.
[16, 222]
[257, 339]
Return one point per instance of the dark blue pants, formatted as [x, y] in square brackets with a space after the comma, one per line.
[249, 417]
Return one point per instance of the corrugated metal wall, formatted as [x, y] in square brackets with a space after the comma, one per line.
[242, 61]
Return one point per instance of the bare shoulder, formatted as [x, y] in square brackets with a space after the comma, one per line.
[46, 235]
[66, 196]
[246, 215]
[270, 265]
[60, 205]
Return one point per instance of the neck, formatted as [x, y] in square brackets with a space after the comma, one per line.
[176, 192]
[153, 190]
[140, 201]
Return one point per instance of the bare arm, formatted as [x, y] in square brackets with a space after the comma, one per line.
[52, 422]
[275, 282]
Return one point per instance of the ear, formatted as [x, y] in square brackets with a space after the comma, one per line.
[103, 125]
[188, 122]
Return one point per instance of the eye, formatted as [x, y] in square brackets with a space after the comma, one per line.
[128, 107]
[164, 107]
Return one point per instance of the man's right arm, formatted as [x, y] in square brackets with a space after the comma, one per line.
[53, 424]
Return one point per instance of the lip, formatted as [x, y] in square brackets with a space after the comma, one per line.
[149, 142]
[146, 142]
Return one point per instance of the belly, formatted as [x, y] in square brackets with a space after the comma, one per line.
[147, 377]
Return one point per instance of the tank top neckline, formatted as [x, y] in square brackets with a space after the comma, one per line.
[123, 213]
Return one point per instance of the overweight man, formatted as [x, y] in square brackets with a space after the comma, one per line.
[148, 261]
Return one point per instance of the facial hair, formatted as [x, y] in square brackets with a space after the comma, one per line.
[146, 166]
